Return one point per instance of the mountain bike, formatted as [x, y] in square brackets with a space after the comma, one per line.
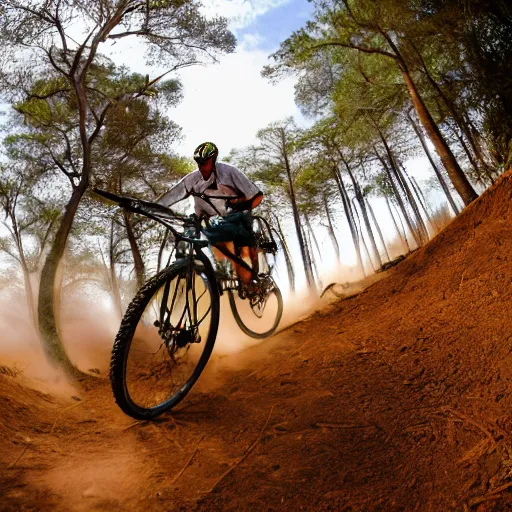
[169, 329]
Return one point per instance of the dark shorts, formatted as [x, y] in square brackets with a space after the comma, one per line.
[235, 227]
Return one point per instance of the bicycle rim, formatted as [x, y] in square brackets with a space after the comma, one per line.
[261, 318]
[165, 340]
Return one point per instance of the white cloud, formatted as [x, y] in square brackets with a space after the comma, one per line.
[251, 41]
[226, 102]
[241, 13]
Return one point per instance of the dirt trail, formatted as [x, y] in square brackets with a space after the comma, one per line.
[396, 399]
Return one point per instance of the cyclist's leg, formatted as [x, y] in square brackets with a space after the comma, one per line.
[252, 254]
[243, 274]
[217, 254]
[231, 230]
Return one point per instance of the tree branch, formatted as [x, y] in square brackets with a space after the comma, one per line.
[363, 49]
[62, 168]
[142, 32]
[54, 64]
[45, 96]
[62, 34]
[44, 240]
[80, 51]
[99, 125]
[68, 149]
[39, 15]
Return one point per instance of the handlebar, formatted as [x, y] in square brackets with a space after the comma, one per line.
[158, 213]
[131, 203]
[161, 213]
[202, 195]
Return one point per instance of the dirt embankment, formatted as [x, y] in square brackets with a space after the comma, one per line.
[397, 399]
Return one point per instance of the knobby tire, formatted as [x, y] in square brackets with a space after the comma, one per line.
[244, 328]
[129, 324]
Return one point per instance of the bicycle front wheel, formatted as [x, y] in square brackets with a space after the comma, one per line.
[165, 339]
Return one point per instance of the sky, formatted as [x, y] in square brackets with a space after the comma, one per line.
[242, 102]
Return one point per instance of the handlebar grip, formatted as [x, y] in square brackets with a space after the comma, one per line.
[112, 197]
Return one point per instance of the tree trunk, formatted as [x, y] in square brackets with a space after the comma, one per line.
[421, 231]
[29, 294]
[403, 237]
[315, 241]
[455, 173]
[440, 178]
[402, 224]
[330, 228]
[457, 176]
[52, 344]
[460, 120]
[378, 229]
[423, 202]
[287, 256]
[398, 197]
[363, 241]
[422, 227]
[347, 206]
[114, 283]
[309, 248]
[137, 257]
[460, 138]
[296, 218]
[476, 139]
[362, 205]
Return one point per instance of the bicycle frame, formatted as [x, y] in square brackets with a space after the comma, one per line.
[165, 216]
[179, 313]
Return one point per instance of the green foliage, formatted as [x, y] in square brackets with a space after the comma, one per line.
[350, 57]
[78, 101]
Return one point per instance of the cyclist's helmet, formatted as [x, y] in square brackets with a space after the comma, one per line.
[205, 151]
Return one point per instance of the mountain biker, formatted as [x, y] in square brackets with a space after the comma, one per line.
[233, 226]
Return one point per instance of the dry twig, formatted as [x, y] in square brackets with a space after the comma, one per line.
[245, 455]
[340, 426]
[132, 425]
[175, 479]
[11, 466]
[61, 412]
[472, 422]
[490, 496]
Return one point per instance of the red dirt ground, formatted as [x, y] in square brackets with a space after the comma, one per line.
[398, 399]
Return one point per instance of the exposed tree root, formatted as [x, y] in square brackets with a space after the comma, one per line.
[245, 455]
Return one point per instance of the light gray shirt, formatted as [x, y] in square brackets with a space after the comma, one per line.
[229, 180]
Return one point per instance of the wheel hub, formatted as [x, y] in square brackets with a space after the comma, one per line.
[178, 337]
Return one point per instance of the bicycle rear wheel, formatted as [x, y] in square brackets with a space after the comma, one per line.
[259, 317]
[165, 339]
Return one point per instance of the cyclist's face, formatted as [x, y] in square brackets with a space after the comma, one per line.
[206, 168]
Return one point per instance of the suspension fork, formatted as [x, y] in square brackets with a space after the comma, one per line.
[190, 288]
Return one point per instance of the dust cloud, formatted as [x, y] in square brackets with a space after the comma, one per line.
[88, 323]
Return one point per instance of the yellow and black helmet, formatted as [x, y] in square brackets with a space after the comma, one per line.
[205, 151]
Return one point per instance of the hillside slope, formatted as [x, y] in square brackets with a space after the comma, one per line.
[396, 399]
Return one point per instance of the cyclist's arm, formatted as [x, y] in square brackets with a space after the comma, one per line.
[243, 203]
[251, 194]
[180, 191]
